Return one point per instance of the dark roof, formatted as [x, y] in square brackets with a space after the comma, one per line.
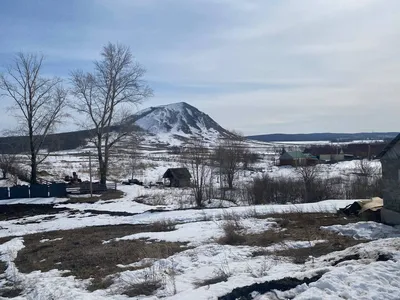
[296, 155]
[388, 147]
[292, 154]
[178, 173]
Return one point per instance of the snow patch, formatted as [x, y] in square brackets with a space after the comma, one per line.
[365, 230]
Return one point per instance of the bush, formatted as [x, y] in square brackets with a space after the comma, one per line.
[268, 190]
[363, 188]
[232, 234]
[265, 190]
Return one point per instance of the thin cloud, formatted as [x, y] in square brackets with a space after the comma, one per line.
[256, 66]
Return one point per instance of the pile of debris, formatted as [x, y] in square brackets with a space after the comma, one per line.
[73, 179]
[368, 209]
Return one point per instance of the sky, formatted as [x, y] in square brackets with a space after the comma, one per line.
[256, 66]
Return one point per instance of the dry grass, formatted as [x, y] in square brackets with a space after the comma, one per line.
[221, 277]
[145, 288]
[293, 227]
[334, 243]
[10, 292]
[83, 253]
[232, 234]
[163, 225]
[10, 289]
[17, 211]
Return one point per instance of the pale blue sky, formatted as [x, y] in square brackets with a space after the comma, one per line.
[256, 66]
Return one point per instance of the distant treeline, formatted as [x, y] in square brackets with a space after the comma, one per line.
[53, 142]
[333, 137]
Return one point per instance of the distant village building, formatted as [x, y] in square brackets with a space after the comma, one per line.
[329, 153]
[297, 158]
[339, 156]
[178, 177]
[390, 159]
[336, 153]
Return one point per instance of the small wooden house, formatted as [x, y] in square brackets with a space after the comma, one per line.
[178, 177]
[390, 159]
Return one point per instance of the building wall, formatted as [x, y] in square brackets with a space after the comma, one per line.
[331, 157]
[325, 157]
[390, 217]
[391, 183]
[338, 157]
[286, 162]
[183, 182]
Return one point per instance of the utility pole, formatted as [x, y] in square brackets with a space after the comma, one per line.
[369, 151]
[90, 174]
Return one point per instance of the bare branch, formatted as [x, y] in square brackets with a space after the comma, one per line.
[38, 102]
[105, 97]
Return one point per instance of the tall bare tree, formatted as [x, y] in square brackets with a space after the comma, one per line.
[39, 103]
[309, 175]
[367, 181]
[229, 156]
[104, 97]
[197, 160]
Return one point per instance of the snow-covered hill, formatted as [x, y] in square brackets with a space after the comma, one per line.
[178, 120]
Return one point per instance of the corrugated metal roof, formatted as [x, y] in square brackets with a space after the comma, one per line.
[297, 155]
[178, 173]
[389, 146]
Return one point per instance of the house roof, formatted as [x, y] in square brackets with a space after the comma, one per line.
[293, 154]
[178, 173]
[296, 155]
[388, 147]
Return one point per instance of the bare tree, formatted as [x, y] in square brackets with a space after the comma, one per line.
[249, 158]
[39, 103]
[229, 156]
[133, 156]
[309, 175]
[104, 97]
[8, 163]
[367, 181]
[197, 161]
[365, 168]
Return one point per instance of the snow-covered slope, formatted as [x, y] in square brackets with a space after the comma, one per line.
[179, 119]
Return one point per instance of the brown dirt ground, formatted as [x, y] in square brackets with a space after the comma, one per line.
[294, 227]
[83, 254]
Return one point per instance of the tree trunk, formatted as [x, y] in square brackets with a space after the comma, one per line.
[4, 174]
[103, 172]
[308, 197]
[199, 197]
[33, 170]
[230, 181]
[33, 155]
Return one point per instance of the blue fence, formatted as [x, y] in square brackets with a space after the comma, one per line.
[39, 191]
[58, 190]
[19, 191]
[4, 193]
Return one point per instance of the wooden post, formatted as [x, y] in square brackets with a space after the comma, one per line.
[90, 174]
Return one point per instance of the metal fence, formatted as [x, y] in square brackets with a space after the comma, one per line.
[58, 190]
